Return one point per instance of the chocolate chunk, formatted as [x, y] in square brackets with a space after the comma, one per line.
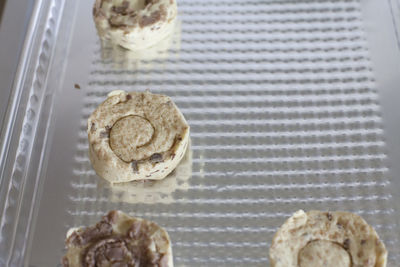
[149, 20]
[115, 253]
[363, 241]
[346, 244]
[121, 9]
[135, 166]
[156, 158]
[147, 2]
[106, 132]
[108, 251]
[77, 86]
[105, 135]
[80, 238]
[93, 127]
[100, 230]
[116, 22]
[128, 97]
[94, 10]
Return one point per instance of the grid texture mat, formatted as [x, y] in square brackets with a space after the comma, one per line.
[284, 115]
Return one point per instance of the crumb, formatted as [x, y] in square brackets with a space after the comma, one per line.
[77, 86]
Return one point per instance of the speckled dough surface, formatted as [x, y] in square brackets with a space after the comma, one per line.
[153, 191]
[134, 24]
[327, 239]
[135, 136]
[118, 240]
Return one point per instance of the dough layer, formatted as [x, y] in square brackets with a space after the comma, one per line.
[118, 240]
[327, 239]
[136, 136]
[135, 24]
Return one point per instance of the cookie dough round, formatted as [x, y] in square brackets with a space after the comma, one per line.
[136, 136]
[118, 240]
[135, 24]
[327, 239]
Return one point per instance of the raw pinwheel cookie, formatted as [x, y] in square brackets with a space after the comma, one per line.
[118, 240]
[136, 136]
[134, 24]
[328, 239]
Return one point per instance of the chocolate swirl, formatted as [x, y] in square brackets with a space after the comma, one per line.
[118, 251]
[137, 136]
[101, 246]
[111, 251]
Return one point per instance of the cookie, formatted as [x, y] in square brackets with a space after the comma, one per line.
[136, 136]
[328, 239]
[134, 24]
[118, 240]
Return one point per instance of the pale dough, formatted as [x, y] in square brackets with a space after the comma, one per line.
[153, 191]
[121, 58]
[135, 24]
[136, 136]
[327, 239]
[118, 240]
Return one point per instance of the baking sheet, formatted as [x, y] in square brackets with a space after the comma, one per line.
[284, 99]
